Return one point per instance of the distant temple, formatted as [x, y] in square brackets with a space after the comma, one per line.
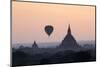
[69, 41]
[35, 45]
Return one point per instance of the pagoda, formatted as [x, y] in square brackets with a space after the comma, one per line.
[69, 41]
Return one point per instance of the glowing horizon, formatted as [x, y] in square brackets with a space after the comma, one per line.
[29, 20]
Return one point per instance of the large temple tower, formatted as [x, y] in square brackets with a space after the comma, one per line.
[69, 41]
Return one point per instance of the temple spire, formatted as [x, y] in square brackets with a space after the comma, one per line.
[35, 45]
[69, 30]
[69, 41]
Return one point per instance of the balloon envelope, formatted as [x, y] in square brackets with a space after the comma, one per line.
[49, 29]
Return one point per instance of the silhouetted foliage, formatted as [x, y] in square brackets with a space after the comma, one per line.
[21, 58]
[44, 61]
[82, 56]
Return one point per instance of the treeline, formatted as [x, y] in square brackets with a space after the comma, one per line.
[20, 58]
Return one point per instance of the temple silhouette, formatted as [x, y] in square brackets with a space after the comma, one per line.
[69, 41]
[34, 45]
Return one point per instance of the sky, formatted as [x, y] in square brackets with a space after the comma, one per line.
[29, 20]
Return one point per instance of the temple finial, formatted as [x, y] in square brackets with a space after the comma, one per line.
[69, 29]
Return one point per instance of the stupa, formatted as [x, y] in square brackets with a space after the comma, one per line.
[35, 45]
[69, 41]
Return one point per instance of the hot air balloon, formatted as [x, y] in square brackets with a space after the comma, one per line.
[49, 29]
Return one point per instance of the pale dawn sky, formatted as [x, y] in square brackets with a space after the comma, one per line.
[29, 20]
